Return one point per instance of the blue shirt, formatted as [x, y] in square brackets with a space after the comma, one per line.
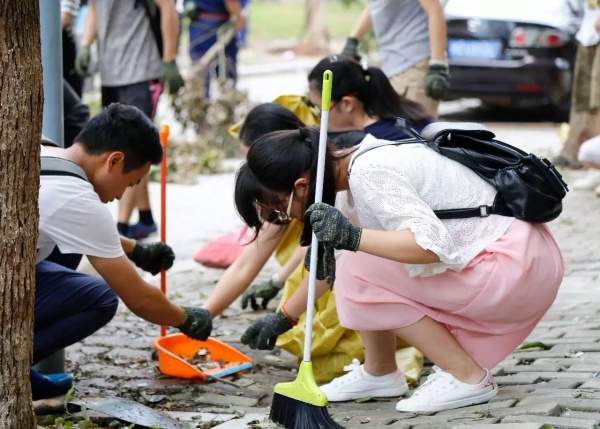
[385, 129]
[211, 6]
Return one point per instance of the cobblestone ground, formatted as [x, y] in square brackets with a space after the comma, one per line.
[551, 386]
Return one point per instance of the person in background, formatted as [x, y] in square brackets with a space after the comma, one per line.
[75, 114]
[69, 10]
[133, 71]
[206, 17]
[412, 40]
[585, 102]
[363, 99]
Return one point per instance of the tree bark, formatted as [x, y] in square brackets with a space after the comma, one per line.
[315, 34]
[21, 103]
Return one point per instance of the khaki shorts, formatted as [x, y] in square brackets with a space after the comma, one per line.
[411, 84]
[586, 80]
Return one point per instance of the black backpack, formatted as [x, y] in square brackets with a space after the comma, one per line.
[153, 14]
[529, 187]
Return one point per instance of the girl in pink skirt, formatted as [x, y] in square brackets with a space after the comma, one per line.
[465, 292]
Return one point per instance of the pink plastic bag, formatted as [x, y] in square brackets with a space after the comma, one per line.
[223, 251]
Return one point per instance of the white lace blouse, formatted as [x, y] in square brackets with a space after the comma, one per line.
[398, 187]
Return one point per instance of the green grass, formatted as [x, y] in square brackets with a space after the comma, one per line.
[273, 20]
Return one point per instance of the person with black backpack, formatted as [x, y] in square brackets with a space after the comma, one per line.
[137, 51]
[465, 291]
[114, 151]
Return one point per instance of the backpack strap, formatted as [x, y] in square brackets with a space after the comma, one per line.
[54, 166]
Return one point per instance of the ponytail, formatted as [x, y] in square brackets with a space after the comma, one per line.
[371, 86]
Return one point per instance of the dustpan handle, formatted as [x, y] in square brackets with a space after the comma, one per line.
[164, 136]
[312, 279]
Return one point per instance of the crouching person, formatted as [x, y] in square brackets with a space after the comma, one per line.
[113, 152]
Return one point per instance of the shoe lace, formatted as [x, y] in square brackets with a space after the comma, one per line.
[351, 372]
[432, 383]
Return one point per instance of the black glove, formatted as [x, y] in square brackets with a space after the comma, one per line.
[351, 48]
[265, 290]
[437, 81]
[332, 228]
[152, 257]
[263, 333]
[197, 323]
[325, 263]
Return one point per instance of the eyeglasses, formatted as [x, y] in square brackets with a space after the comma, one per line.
[272, 215]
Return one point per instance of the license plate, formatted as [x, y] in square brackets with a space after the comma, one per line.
[483, 49]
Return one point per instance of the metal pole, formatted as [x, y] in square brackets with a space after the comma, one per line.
[52, 124]
[51, 35]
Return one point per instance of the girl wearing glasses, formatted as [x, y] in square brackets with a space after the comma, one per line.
[465, 292]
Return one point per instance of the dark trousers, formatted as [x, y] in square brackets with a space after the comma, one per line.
[69, 306]
[203, 35]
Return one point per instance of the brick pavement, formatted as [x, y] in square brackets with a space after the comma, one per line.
[555, 386]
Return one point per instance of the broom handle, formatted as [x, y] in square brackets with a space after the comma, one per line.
[164, 135]
[312, 279]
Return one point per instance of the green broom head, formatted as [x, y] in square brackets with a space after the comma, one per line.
[300, 404]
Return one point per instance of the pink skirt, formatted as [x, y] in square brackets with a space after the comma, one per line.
[490, 307]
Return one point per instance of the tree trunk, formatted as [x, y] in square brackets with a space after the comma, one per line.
[21, 103]
[315, 34]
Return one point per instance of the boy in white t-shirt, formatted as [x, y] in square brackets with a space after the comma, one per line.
[113, 152]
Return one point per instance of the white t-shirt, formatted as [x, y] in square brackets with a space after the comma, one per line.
[73, 218]
[399, 187]
[587, 34]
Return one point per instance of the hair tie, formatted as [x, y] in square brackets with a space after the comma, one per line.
[366, 73]
[304, 134]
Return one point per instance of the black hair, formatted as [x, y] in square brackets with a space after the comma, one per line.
[125, 129]
[266, 118]
[371, 86]
[274, 163]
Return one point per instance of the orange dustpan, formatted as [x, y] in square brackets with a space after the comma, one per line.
[174, 349]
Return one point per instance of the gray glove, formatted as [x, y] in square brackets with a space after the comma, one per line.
[265, 290]
[351, 48]
[332, 228]
[437, 81]
[152, 257]
[197, 323]
[263, 333]
[325, 263]
[82, 61]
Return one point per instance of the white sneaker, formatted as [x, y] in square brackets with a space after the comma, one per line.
[359, 384]
[442, 392]
[597, 190]
[587, 183]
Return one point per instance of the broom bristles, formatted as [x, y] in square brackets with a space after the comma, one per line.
[295, 414]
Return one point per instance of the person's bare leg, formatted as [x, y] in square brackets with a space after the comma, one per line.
[380, 352]
[435, 341]
[126, 205]
[142, 195]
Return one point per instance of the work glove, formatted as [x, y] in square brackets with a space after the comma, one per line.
[152, 257]
[437, 81]
[265, 290]
[325, 263]
[197, 323]
[332, 228]
[351, 48]
[82, 61]
[263, 333]
[189, 10]
[170, 76]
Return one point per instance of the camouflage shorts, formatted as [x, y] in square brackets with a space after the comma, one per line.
[586, 81]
